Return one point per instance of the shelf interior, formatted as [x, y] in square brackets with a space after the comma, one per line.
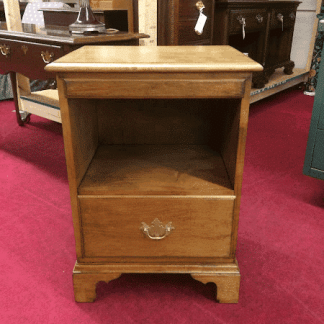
[156, 170]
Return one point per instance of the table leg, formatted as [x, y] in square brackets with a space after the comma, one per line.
[21, 121]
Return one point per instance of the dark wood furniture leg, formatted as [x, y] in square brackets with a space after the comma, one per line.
[289, 67]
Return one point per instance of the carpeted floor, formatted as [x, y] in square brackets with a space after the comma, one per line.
[280, 243]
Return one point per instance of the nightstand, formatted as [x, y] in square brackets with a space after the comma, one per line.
[154, 140]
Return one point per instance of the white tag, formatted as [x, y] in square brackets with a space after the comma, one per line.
[200, 23]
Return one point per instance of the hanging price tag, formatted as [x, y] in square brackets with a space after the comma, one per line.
[200, 23]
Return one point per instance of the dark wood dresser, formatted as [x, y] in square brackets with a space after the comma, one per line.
[261, 29]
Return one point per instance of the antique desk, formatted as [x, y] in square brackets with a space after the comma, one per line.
[154, 140]
[28, 52]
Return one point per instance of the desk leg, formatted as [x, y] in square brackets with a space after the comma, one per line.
[21, 121]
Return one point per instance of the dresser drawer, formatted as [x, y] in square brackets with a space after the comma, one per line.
[187, 32]
[255, 19]
[114, 227]
[288, 16]
[188, 9]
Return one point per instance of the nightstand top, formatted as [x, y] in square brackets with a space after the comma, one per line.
[155, 59]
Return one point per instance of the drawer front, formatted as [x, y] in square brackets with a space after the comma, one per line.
[155, 88]
[287, 15]
[31, 58]
[113, 227]
[255, 19]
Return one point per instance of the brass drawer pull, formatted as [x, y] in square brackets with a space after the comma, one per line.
[47, 57]
[292, 16]
[157, 231]
[259, 18]
[24, 48]
[5, 50]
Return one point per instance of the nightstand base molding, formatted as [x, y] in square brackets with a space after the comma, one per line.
[226, 276]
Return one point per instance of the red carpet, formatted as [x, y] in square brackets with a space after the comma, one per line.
[280, 243]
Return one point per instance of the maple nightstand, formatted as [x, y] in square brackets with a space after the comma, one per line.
[154, 140]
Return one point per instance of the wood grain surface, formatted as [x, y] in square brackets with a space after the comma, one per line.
[152, 58]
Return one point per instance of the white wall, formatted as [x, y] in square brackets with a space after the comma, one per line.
[303, 40]
[147, 21]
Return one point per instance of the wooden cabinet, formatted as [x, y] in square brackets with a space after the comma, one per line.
[314, 159]
[261, 29]
[154, 140]
[177, 20]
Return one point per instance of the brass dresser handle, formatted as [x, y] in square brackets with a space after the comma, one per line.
[5, 50]
[24, 48]
[259, 18]
[280, 17]
[242, 21]
[47, 57]
[200, 5]
[156, 231]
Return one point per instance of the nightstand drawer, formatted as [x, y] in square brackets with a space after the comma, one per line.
[167, 86]
[255, 19]
[190, 227]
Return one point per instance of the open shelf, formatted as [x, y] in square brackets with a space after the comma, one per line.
[43, 103]
[156, 170]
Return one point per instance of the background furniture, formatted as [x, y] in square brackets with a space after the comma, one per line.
[154, 140]
[19, 49]
[302, 46]
[112, 7]
[21, 44]
[316, 58]
[22, 6]
[314, 159]
[262, 29]
[176, 22]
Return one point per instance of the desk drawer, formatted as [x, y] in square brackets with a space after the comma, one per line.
[31, 58]
[113, 227]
